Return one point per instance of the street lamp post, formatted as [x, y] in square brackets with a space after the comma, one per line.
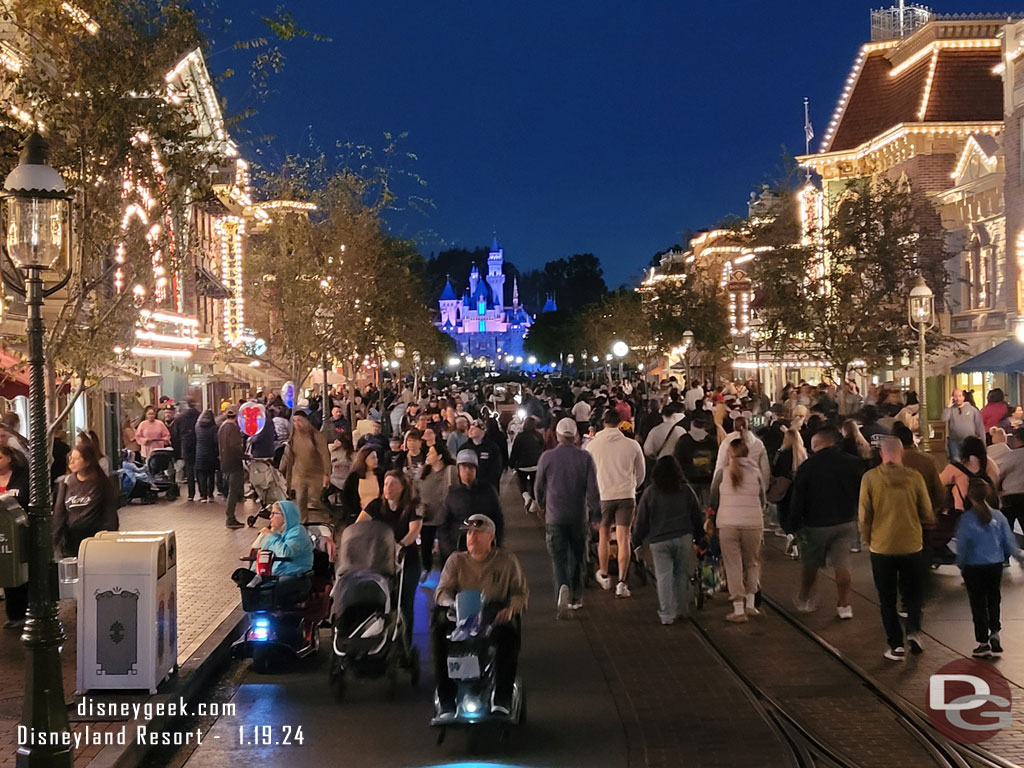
[687, 343]
[921, 312]
[620, 349]
[38, 206]
[399, 354]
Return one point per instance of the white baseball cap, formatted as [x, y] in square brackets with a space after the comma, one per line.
[566, 427]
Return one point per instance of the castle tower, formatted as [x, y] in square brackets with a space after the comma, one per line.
[474, 278]
[449, 304]
[495, 277]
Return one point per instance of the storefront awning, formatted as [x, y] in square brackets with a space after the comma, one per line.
[13, 376]
[1006, 357]
[207, 284]
[124, 381]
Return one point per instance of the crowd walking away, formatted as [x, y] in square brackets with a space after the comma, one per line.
[681, 479]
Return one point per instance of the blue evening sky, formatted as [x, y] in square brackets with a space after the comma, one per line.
[569, 126]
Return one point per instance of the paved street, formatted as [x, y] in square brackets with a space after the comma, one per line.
[207, 554]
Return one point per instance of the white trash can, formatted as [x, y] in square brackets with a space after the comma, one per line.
[127, 611]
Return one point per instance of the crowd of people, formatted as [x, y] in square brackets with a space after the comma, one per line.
[677, 466]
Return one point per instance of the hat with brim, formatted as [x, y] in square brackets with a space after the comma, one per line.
[478, 523]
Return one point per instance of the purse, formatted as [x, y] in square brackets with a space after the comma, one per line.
[778, 488]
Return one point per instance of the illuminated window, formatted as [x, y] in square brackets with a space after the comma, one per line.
[481, 307]
[483, 325]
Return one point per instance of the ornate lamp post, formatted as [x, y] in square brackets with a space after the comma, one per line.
[399, 354]
[921, 312]
[620, 349]
[37, 207]
[687, 343]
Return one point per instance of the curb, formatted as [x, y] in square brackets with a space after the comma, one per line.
[191, 680]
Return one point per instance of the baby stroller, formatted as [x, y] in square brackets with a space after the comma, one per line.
[269, 485]
[369, 636]
[637, 566]
[147, 482]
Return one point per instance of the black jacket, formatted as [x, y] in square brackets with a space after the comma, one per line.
[206, 446]
[491, 462]
[183, 433]
[463, 501]
[826, 490]
[526, 450]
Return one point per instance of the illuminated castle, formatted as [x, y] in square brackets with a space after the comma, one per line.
[480, 322]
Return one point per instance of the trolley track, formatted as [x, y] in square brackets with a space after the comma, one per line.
[811, 746]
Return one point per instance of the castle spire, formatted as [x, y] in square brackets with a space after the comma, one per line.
[515, 291]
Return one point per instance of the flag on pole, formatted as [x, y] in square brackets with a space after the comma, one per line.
[808, 129]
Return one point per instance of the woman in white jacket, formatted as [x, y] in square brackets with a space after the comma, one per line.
[737, 496]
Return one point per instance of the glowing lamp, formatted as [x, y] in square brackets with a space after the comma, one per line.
[38, 205]
[921, 304]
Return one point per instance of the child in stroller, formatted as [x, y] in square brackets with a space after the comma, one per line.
[369, 637]
[269, 485]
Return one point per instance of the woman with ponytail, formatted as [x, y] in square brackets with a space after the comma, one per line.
[738, 498]
[984, 542]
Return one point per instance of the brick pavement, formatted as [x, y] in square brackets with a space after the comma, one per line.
[946, 625]
[207, 554]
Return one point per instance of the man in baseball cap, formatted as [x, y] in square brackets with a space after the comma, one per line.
[498, 576]
[491, 461]
[567, 491]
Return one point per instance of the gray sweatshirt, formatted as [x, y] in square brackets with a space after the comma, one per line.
[566, 486]
[963, 421]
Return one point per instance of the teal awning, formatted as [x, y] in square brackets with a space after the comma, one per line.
[1005, 357]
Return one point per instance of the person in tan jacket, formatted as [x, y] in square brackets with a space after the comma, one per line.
[307, 463]
[893, 508]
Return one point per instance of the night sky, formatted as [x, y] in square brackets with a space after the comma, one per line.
[566, 126]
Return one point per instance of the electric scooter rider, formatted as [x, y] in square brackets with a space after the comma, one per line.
[499, 578]
[285, 537]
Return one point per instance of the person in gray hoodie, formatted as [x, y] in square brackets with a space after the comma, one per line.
[962, 420]
[566, 490]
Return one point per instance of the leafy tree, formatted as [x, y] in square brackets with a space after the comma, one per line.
[680, 302]
[842, 292]
[554, 334]
[95, 86]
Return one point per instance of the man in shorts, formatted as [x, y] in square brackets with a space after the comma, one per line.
[823, 508]
[620, 471]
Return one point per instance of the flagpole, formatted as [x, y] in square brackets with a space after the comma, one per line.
[807, 121]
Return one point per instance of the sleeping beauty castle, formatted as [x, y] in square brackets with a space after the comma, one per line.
[480, 322]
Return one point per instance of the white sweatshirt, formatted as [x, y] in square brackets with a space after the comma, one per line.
[620, 464]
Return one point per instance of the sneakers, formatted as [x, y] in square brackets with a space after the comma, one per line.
[895, 654]
[603, 580]
[576, 606]
[527, 498]
[804, 606]
[983, 651]
[563, 602]
[792, 549]
[844, 611]
[621, 590]
[234, 524]
[855, 549]
[752, 611]
[914, 641]
[995, 645]
[736, 618]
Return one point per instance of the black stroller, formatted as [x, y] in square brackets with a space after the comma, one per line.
[369, 637]
[147, 482]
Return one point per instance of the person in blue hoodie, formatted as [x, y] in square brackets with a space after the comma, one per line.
[285, 537]
[984, 542]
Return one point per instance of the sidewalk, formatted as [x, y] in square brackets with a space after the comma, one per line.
[947, 626]
[207, 554]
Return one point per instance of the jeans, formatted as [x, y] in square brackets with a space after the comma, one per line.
[566, 545]
[673, 566]
[982, 582]
[235, 482]
[902, 575]
[954, 448]
[204, 478]
[410, 582]
[190, 477]
[506, 640]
